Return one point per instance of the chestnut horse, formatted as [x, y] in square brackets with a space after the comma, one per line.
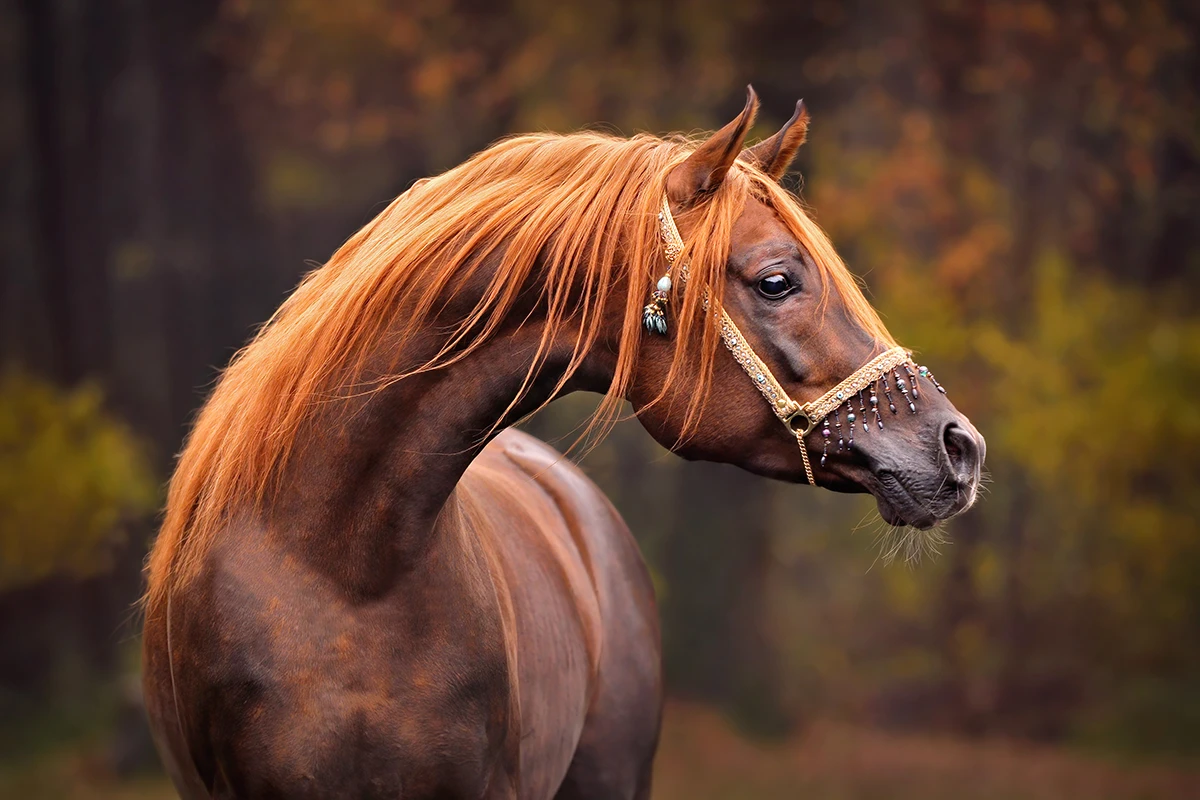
[365, 587]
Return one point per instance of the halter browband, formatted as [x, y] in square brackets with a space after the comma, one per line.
[800, 418]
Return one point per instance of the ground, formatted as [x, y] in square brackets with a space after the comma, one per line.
[702, 758]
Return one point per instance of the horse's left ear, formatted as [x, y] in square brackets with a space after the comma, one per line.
[773, 156]
[702, 172]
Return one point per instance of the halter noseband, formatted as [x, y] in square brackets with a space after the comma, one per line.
[800, 418]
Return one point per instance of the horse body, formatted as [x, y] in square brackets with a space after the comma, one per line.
[541, 673]
[360, 589]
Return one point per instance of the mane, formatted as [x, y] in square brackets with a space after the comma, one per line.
[579, 209]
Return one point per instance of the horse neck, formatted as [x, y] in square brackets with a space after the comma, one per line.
[362, 497]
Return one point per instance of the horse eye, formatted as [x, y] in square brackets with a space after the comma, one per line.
[774, 286]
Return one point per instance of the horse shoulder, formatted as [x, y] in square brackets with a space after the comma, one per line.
[598, 536]
[596, 675]
[284, 684]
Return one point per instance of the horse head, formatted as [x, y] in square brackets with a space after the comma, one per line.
[804, 348]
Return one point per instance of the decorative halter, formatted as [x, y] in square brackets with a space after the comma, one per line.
[800, 418]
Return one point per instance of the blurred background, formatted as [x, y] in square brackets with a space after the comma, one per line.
[1017, 182]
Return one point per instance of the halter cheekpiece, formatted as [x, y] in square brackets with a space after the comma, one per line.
[860, 389]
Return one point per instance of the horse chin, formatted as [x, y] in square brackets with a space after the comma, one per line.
[897, 505]
[892, 516]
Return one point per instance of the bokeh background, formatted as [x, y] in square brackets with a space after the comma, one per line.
[1017, 182]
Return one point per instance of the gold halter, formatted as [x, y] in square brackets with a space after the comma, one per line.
[800, 418]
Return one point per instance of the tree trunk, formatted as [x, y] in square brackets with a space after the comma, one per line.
[44, 98]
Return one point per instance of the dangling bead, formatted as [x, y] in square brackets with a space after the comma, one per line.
[862, 409]
[912, 379]
[654, 315]
[888, 392]
[825, 434]
[925, 371]
[850, 419]
[874, 400]
[903, 387]
[837, 423]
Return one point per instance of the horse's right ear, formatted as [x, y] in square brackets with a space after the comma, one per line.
[773, 156]
[702, 172]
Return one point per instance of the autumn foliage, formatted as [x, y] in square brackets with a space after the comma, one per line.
[1016, 183]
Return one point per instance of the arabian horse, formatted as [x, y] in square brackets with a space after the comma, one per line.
[364, 586]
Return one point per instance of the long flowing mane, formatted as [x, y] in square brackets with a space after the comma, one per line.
[575, 212]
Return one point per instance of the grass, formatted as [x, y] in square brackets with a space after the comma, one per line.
[703, 758]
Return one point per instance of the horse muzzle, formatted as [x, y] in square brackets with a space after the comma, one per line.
[924, 486]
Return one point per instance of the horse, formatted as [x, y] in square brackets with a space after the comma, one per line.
[366, 584]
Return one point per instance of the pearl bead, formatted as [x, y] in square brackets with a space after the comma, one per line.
[664, 283]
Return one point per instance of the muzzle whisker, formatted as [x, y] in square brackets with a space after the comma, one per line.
[882, 536]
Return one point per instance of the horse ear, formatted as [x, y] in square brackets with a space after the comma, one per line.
[705, 168]
[773, 156]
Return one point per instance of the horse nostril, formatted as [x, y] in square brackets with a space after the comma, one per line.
[961, 449]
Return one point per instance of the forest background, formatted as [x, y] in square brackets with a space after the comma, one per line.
[1017, 182]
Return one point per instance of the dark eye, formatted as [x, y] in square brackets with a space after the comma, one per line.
[774, 286]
